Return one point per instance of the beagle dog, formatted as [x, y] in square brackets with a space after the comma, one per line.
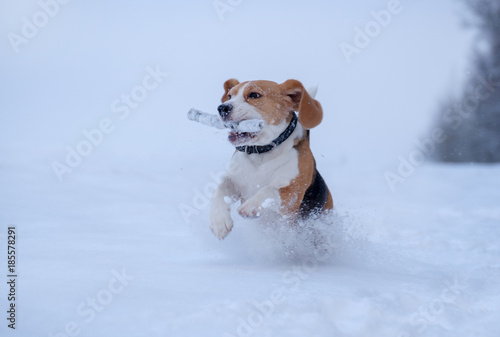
[272, 170]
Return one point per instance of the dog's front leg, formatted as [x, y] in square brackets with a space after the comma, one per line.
[220, 212]
[266, 197]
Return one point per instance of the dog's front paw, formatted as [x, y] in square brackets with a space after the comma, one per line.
[250, 209]
[221, 223]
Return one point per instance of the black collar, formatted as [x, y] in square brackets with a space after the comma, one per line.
[249, 149]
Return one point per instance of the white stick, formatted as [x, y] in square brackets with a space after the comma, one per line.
[204, 118]
[250, 125]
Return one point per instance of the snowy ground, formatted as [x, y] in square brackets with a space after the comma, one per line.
[108, 251]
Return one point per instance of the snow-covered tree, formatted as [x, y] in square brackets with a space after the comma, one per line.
[471, 123]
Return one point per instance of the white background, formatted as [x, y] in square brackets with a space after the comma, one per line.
[398, 253]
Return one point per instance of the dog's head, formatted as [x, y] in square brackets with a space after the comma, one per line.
[272, 102]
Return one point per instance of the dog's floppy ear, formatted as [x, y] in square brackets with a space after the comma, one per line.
[310, 111]
[227, 86]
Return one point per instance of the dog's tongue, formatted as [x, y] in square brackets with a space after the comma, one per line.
[235, 136]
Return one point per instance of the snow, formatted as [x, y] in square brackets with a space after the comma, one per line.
[268, 203]
[122, 245]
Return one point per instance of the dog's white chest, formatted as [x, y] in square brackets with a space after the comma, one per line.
[250, 173]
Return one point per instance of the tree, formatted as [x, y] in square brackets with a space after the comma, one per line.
[472, 122]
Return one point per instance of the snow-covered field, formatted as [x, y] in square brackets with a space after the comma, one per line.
[119, 244]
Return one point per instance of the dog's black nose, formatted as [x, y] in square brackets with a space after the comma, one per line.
[225, 110]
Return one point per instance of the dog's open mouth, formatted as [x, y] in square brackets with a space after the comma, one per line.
[240, 138]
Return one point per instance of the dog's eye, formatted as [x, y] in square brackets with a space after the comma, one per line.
[254, 95]
[229, 96]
